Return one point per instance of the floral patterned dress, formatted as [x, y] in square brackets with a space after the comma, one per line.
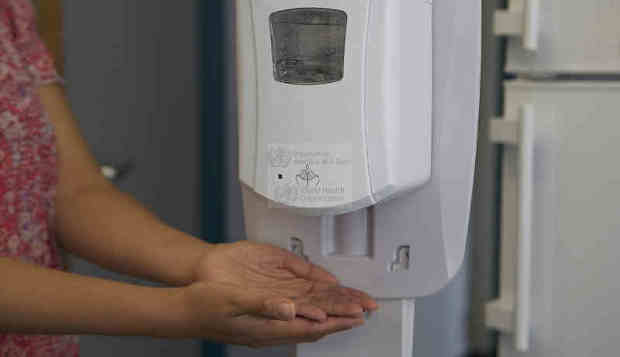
[27, 164]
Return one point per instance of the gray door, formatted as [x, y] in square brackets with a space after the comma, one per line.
[131, 77]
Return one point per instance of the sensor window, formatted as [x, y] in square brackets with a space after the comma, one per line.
[308, 45]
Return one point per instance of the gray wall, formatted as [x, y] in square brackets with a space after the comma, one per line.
[131, 78]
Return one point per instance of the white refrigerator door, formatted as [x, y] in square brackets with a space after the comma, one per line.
[573, 36]
[575, 261]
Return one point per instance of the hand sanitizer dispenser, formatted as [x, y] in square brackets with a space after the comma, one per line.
[358, 122]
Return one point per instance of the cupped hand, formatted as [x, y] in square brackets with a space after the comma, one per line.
[230, 314]
[289, 285]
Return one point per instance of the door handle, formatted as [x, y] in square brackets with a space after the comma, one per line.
[523, 22]
[513, 313]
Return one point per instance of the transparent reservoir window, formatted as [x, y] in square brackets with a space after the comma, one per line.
[308, 45]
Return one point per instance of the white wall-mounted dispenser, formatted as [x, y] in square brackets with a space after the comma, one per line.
[358, 123]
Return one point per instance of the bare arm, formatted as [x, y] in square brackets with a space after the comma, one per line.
[98, 222]
[229, 300]
[39, 300]
[35, 300]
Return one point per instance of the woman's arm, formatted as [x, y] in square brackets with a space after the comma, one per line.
[35, 300]
[98, 222]
[46, 301]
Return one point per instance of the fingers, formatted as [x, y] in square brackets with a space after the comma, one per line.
[338, 306]
[321, 302]
[345, 309]
[311, 312]
[367, 302]
[339, 301]
[306, 270]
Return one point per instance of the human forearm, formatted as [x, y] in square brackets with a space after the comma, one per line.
[44, 301]
[233, 301]
[35, 300]
[113, 230]
[98, 222]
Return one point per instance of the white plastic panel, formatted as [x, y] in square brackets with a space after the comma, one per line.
[575, 289]
[430, 223]
[374, 117]
[399, 90]
[246, 92]
[573, 37]
[313, 118]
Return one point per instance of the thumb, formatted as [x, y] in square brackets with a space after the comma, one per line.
[278, 308]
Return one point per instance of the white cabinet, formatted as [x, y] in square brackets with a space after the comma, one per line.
[572, 36]
[575, 288]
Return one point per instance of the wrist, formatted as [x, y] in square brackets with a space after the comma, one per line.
[183, 254]
[200, 262]
[172, 314]
[192, 311]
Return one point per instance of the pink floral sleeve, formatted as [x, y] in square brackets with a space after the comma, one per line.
[28, 160]
[31, 49]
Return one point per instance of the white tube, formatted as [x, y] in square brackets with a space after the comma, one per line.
[531, 20]
[524, 259]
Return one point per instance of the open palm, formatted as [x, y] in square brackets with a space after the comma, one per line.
[289, 285]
